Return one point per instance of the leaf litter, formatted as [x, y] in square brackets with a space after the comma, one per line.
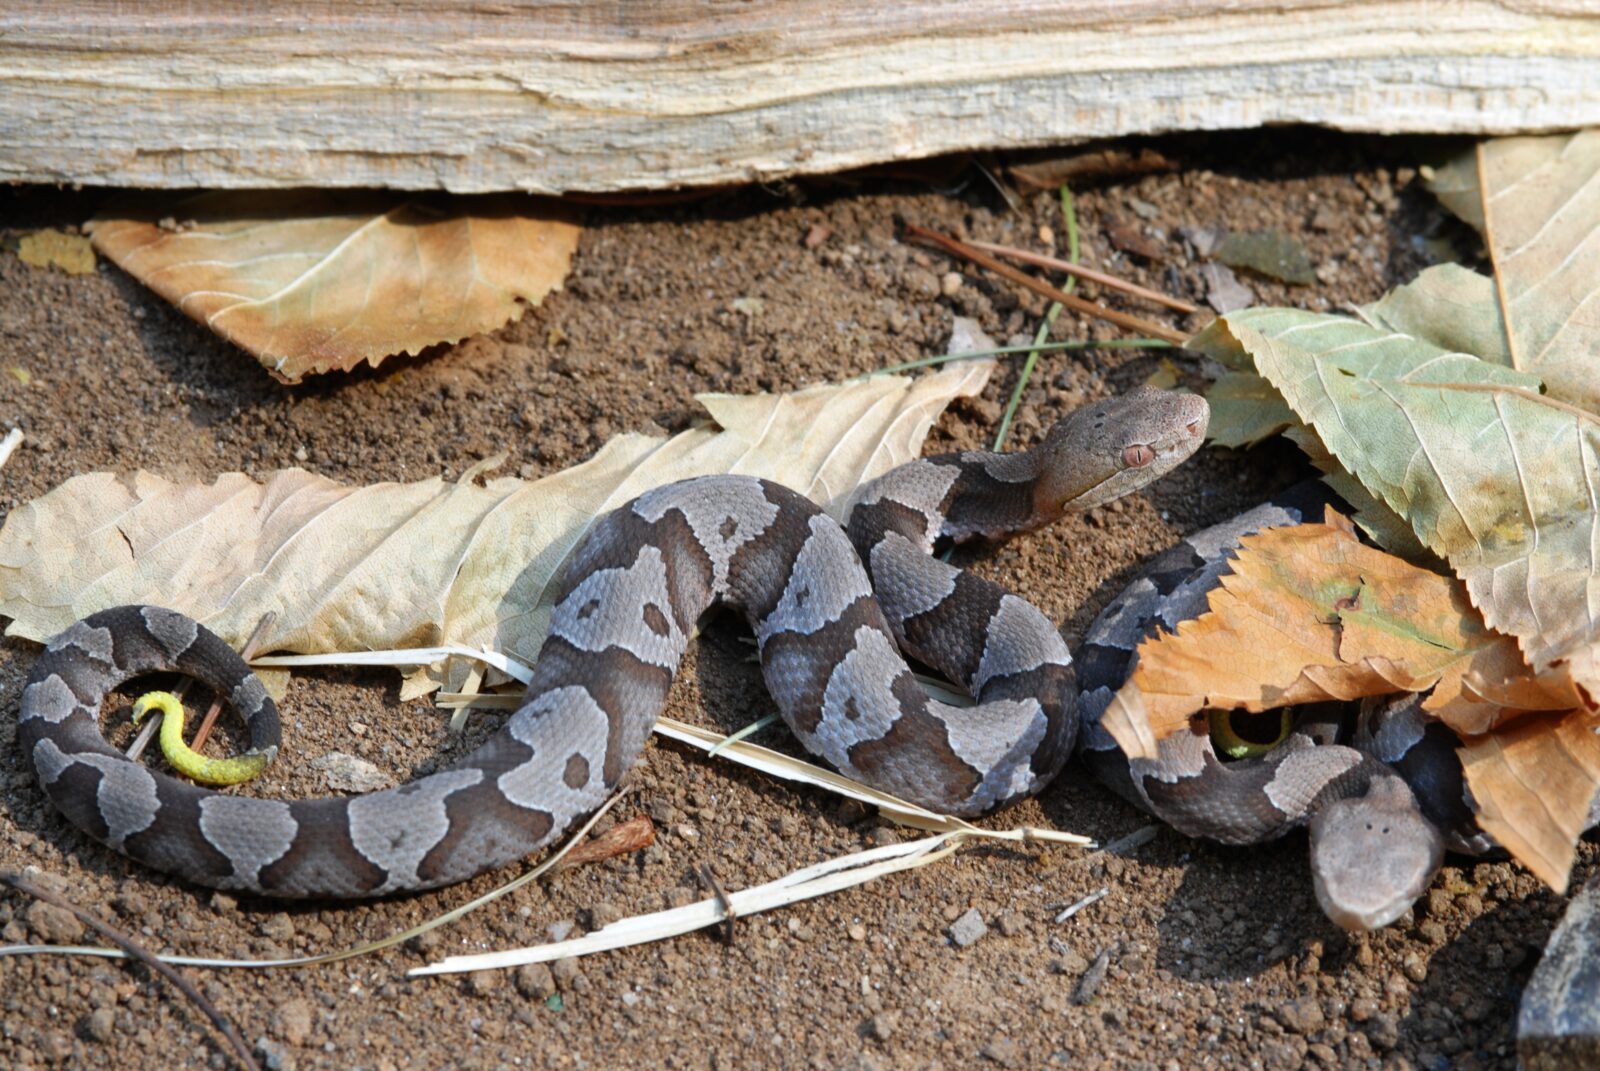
[1459, 416]
[313, 281]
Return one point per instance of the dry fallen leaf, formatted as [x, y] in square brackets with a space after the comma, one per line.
[399, 565]
[310, 281]
[1536, 201]
[70, 253]
[1309, 613]
[1492, 475]
[1534, 781]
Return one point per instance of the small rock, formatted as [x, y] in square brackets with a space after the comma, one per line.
[603, 915]
[534, 981]
[1003, 1051]
[566, 971]
[1302, 1016]
[881, 1027]
[1325, 220]
[100, 1024]
[53, 925]
[1011, 923]
[223, 904]
[359, 728]
[1092, 979]
[1143, 209]
[1068, 962]
[274, 1057]
[1414, 967]
[1224, 292]
[967, 336]
[482, 983]
[1129, 239]
[1558, 1024]
[558, 931]
[1204, 239]
[347, 773]
[292, 1022]
[969, 929]
[819, 233]
[278, 927]
[950, 283]
[857, 932]
[1383, 1031]
[1269, 252]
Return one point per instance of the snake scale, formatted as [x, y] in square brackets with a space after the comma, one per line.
[832, 610]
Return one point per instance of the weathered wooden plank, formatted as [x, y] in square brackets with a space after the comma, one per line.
[557, 97]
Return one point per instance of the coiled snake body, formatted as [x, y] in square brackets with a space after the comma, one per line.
[629, 600]
[832, 611]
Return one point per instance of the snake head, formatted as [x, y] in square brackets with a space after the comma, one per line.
[1373, 855]
[1102, 451]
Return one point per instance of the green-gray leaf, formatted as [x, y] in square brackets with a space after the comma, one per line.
[1492, 475]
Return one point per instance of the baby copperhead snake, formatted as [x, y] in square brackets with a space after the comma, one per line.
[832, 611]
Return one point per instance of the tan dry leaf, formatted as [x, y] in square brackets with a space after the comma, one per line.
[398, 565]
[1310, 613]
[1536, 200]
[1534, 782]
[310, 281]
[70, 253]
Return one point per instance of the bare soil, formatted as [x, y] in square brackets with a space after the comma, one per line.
[1213, 957]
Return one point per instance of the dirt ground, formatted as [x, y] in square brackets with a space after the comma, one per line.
[1214, 957]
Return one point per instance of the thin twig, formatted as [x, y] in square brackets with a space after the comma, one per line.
[138, 952]
[204, 732]
[636, 834]
[709, 880]
[1078, 905]
[1088, 275]
[1038, 286]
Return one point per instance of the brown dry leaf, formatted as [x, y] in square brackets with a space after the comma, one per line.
[1536, 201]
[70, 253]
[1310, 613]
[310, 281]
[1534, 781]
[399, 565]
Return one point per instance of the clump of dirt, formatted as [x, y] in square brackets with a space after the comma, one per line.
[1197, 955]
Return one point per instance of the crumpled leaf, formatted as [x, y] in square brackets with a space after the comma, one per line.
[1311, 614]
[70, 253]
[1534, 781]
[1308, 614]
[1450, 306]
[1383, 525]
[400, 565]
[1493, 476]
[1536, 201]
[312, 280]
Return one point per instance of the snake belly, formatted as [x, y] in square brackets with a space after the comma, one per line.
[627, 604]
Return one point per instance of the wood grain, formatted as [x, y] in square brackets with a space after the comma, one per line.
[560, 97]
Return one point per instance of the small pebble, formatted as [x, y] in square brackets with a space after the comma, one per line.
[1003, 1051]
[292, 1022]
[278, 927]
[534, 981]
[100, 1024]
[969, 929]
[274, 1057]
[950, 283]
[1302, 1016]
[1092, 979]
[53, 925]
[881, 1027]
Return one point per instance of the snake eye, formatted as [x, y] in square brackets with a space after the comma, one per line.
[1137, 456]
[1237, 734]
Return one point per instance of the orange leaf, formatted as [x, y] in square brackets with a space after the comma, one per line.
[1533, 782]
[1308, 614]
[310, 281]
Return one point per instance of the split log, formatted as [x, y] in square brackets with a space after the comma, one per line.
[650, 94]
